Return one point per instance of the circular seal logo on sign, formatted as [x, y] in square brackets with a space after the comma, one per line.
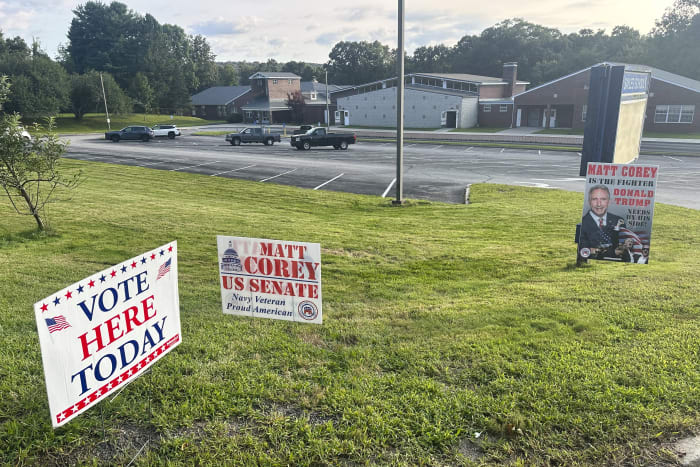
[307, 310]
[585, 252]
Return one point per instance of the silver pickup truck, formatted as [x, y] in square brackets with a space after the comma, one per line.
[253, 135]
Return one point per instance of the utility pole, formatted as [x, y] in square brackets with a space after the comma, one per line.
[104, 96]
[399, 110]
[328, 112]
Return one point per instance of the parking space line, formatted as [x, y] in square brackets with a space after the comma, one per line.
[191, 166]
[326, 183]
[502, 149]
[278, 175]
[679, 160]
[388, 188]
[469, 148]
[234, 170]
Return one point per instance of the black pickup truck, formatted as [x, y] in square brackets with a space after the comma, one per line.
[253, 135]
[319, 137]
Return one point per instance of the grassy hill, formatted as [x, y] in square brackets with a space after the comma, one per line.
[452, 334]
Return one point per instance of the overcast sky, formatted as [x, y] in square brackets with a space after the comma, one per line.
[303, 30]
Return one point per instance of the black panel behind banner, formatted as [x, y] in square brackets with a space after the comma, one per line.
[600, 132]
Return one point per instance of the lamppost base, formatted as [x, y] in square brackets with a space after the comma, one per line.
[398, 202]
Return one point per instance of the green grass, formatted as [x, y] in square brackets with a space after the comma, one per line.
[647, 134]
[480, 129]
[440, 322]
[559, 131]
[96, 123]
[658, 134]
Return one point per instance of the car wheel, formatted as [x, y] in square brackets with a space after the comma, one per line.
[269, 141]
[306, 145]
[171, 135]
[236, 141]
[335, 146]
[115, 138]
[145, 138]
[343, 145]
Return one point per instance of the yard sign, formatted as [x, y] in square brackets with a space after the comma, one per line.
[270, 279]
[101, 333]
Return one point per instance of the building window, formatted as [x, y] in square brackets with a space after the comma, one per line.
[289, 81]
[313, 96]
[584, 111]
[487, 107]
[503, 108]
[274, 81]
[674, 114]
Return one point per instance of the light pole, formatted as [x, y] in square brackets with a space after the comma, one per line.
[399, 110]
[328, 112]
[104, 96]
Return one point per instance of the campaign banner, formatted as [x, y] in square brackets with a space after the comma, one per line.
[104, 331]
[272, 279]
[618, 211]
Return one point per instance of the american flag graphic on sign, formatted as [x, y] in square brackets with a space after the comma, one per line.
[163, 269]
[57, 323]
[638, 239]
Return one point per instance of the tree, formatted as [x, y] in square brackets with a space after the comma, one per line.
[141, 92]
[677, 18]
[39, 85]
[86, 95]
[359, 62]
[431, 59]
[296, 103]
[29, 170]
[228, 76]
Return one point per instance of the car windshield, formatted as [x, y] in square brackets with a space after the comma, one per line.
[309, 131]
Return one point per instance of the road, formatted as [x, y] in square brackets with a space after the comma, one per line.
[431, 171]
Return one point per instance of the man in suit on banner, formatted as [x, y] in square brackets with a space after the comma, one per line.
[600, 229]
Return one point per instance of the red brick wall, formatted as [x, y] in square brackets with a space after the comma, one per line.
[282, 87]
[495, 118]
[668, 94]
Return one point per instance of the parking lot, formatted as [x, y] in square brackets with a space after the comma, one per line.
[437, 172]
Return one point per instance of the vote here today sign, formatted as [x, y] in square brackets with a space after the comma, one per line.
[270, 279]
[104, 331]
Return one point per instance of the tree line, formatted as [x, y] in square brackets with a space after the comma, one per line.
[149, 67]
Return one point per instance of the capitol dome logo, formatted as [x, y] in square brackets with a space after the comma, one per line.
[230, 261]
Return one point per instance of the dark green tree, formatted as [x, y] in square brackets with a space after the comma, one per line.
[359, 62]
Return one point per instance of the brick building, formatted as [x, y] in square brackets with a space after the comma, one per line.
[562, 103]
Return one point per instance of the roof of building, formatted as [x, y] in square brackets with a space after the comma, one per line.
[468, 77]
[219, 95]
[661, 75]
[315, 86]
[274, 74]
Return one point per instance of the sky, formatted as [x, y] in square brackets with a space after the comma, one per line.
[306, 31]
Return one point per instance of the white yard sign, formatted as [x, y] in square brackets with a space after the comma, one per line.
[101, 333]
[270, 279]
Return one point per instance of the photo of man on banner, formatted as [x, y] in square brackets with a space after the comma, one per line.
[617, 213]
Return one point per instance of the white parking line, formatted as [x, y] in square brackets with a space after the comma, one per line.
[234, 170]
[578, 153]
[326, 183]
[278, 175]
[189, 167]
[469, 148]
[679, 160]
[539, 152]
[388, 188]
[502, 149]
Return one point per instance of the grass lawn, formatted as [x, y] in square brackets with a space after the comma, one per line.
[96, 123]
[657, 134]
[559, 131]
[477, 130]
[452, 334]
